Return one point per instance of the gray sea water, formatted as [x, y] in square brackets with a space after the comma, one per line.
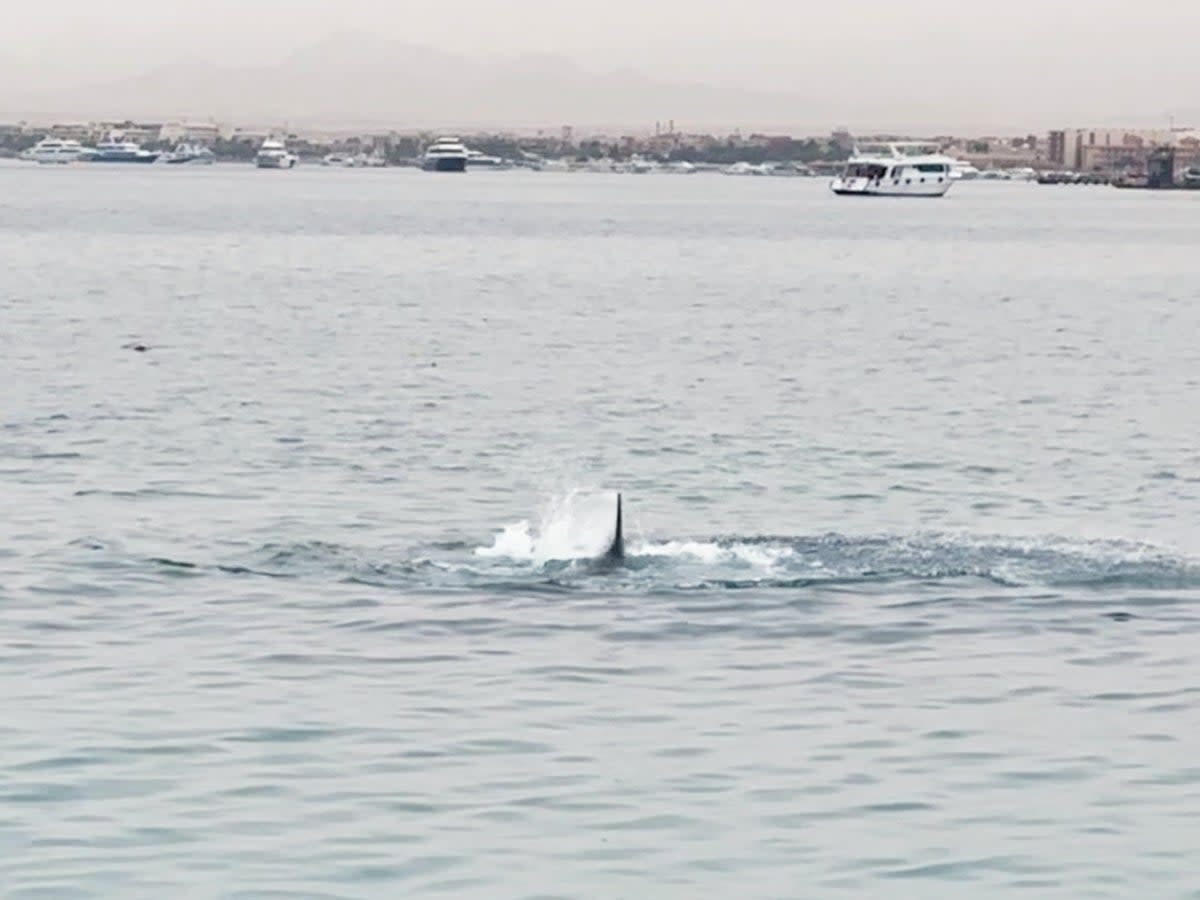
[290, 603]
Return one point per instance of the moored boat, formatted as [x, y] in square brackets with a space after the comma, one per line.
[478, 160]
[1162, 174]
[54, 151]
[446, 154]
[274, 154]
[118, 151]
[191, 155]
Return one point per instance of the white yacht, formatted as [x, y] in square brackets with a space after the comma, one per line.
[54, 151]
[446, 154]
[963, 171]
[190, 155]
[788, 170]
[595, 165]
[115, 150]
[481, 160]
[274, 154]
[895, 169]
[745, 168]
[358, 160]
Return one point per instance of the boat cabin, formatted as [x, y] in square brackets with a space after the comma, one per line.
[907, 172]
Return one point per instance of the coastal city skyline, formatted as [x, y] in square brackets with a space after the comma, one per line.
[1093, 155]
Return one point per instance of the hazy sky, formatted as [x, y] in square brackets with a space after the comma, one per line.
[1031, 61]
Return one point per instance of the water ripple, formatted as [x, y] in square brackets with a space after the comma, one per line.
[912, 586]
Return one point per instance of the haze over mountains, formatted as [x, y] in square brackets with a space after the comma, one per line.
[1019, 71]
[355, 81]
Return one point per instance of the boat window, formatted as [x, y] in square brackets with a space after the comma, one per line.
[931, 167]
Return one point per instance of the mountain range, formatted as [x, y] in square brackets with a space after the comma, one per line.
[354, 81]
[351, 82]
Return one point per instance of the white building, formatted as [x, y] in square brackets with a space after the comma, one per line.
[1085, 149]
[206, 133]
[73, 131]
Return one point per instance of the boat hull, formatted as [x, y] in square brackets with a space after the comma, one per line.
[275, 162]
[867, 187]
[146, 158]
[488, 162]
[123, 153]
[445, 164]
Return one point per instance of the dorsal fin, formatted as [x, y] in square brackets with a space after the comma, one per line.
[616, 550]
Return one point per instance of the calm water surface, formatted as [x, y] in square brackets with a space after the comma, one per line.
[289, 605]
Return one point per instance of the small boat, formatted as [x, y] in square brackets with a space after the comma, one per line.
[54, 151]
[745, 168]
[963, 171]
[190, 155]
[478, 160]
[115, 151]
[354, 160]
[273, 154]
[895, 170]
[788, 170]
[1161, 174]
[446, 154]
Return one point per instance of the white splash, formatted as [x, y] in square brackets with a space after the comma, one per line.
[577, 525]
[754, 555]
